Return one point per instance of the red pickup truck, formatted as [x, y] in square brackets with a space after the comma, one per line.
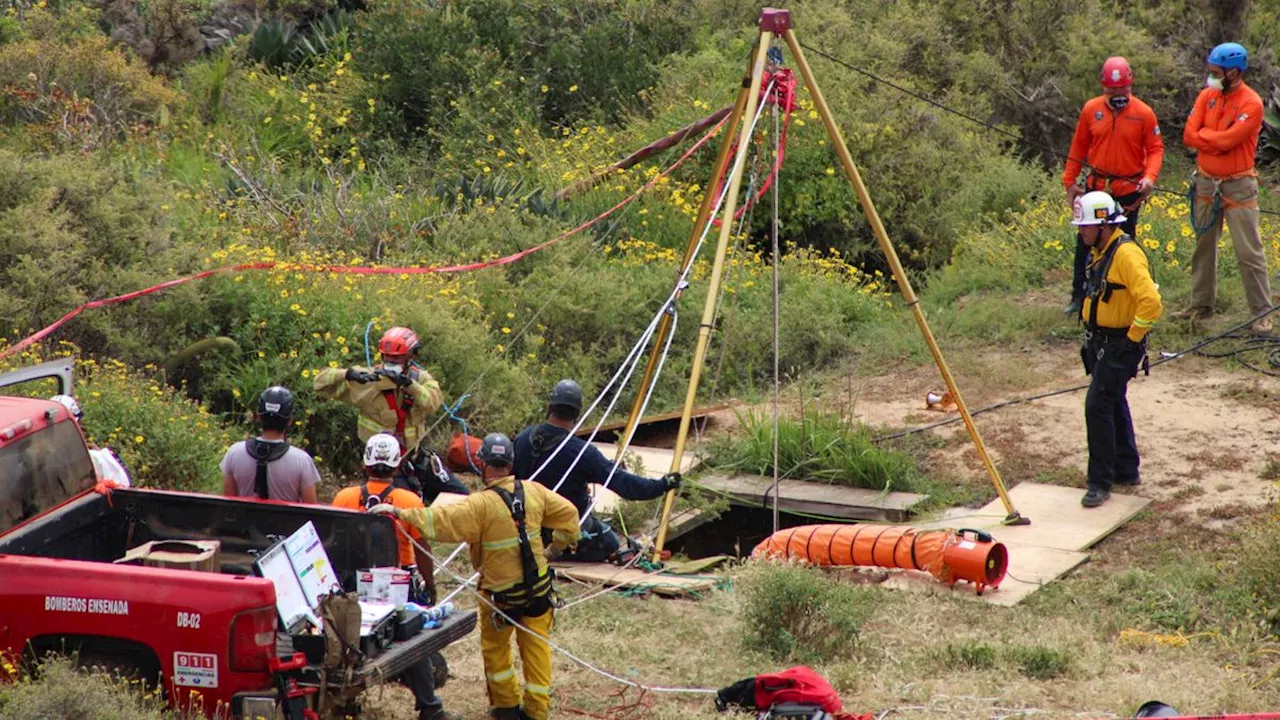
[208, 638]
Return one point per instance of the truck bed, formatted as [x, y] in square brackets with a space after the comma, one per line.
[102, 528]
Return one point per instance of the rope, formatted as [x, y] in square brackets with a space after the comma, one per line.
[355, 269]
[1164, 358]
[368, 356]
[989, 126]
[517, 625]
[777, 380]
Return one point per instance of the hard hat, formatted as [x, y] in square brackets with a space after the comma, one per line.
[567, 393]
[1229, 55]
[382, 449]
[276, 401]
[399, 341]
[70, 404]
[1096, 208]
[1116, 73]
[496, 450]
[1155, 709]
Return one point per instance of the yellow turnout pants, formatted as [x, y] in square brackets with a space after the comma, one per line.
[535, 656]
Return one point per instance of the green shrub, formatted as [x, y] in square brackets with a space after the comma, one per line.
[166, 440]
[1041, 663]
[59, 690]
[795, 614]
[80, 91]
[819, 446]
[970, 656]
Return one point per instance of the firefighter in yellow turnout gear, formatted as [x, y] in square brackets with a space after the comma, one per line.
[1122, 303]
[396, 397]
[503, 527]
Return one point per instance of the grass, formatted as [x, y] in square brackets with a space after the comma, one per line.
[819, 446]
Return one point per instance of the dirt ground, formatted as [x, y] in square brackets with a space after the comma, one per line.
[1207, 435]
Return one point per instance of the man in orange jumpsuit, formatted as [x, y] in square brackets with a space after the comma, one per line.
[1118, 137]
[1223, 130]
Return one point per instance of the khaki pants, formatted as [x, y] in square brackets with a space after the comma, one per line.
[1240, 210]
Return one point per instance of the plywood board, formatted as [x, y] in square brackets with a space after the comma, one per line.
[698, 413]
[1031, 567]
[815, 498]
[657, 461]
[630, 578]
[1057, 519]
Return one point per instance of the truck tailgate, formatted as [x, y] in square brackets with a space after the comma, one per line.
[404, 654]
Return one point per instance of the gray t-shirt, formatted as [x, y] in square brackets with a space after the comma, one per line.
[286, 477]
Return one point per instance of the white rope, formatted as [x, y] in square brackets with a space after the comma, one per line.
[632, 360]
[680, 285]
[777, 149]
[516, 624]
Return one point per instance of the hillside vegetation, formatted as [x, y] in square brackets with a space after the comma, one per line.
[142, 142]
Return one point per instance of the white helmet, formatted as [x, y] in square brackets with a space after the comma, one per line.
[382, 449]
[70, 404]
[1096, 208]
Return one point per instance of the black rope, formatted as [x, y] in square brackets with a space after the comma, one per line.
[991, 127]
[1258, 343]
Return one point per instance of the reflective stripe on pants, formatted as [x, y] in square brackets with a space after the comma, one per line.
[535, 657]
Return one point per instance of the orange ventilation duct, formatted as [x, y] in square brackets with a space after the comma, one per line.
[948, 555]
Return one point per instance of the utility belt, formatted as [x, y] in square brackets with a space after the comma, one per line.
[1101, 341]
[1113, 186]
[518, 602]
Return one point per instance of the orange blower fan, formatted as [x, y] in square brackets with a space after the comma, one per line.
[948, 555]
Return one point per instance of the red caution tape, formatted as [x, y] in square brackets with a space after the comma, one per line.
[355, 269]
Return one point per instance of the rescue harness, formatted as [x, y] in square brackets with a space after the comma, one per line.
[1099, 290]
[533, 596]
[265, 452]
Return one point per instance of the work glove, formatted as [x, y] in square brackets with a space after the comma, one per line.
[672, 481]
[385, 509]
[360, 376]
[400, 379]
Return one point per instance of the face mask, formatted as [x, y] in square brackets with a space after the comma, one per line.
[1214, 83]
[1118, 102]
[393, 369]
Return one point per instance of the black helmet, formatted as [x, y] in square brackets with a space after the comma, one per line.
[1155, 709]
[497, 450]
[567, 393]
[276, 402]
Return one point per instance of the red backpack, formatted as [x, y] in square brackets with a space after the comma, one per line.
[797, 686]
[797, 692]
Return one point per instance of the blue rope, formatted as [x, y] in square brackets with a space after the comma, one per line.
[452, 410]
[368, 358]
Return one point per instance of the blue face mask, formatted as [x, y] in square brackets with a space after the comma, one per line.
[1118, 102]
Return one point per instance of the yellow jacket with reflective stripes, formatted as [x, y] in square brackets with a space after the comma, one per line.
[1137, 305]
[483, 522]
[376, 416]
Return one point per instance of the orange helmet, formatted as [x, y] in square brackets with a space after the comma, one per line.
[1116, 73]
[399, 341]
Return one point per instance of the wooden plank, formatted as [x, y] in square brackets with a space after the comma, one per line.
[1058, 520]
[698, 413]
[812, 498]
[1031, 567]
[630, 578]
[657, 461]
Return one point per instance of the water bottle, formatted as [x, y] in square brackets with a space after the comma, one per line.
[439, 612]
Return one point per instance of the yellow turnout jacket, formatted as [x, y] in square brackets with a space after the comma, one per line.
[371, 401]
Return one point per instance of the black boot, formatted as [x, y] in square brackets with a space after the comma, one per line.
[1094, 497]
[508, 713]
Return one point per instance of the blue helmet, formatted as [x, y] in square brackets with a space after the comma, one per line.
[1230, 55]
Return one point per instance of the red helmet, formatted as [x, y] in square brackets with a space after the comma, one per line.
[399, 341]
[1116, 73]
